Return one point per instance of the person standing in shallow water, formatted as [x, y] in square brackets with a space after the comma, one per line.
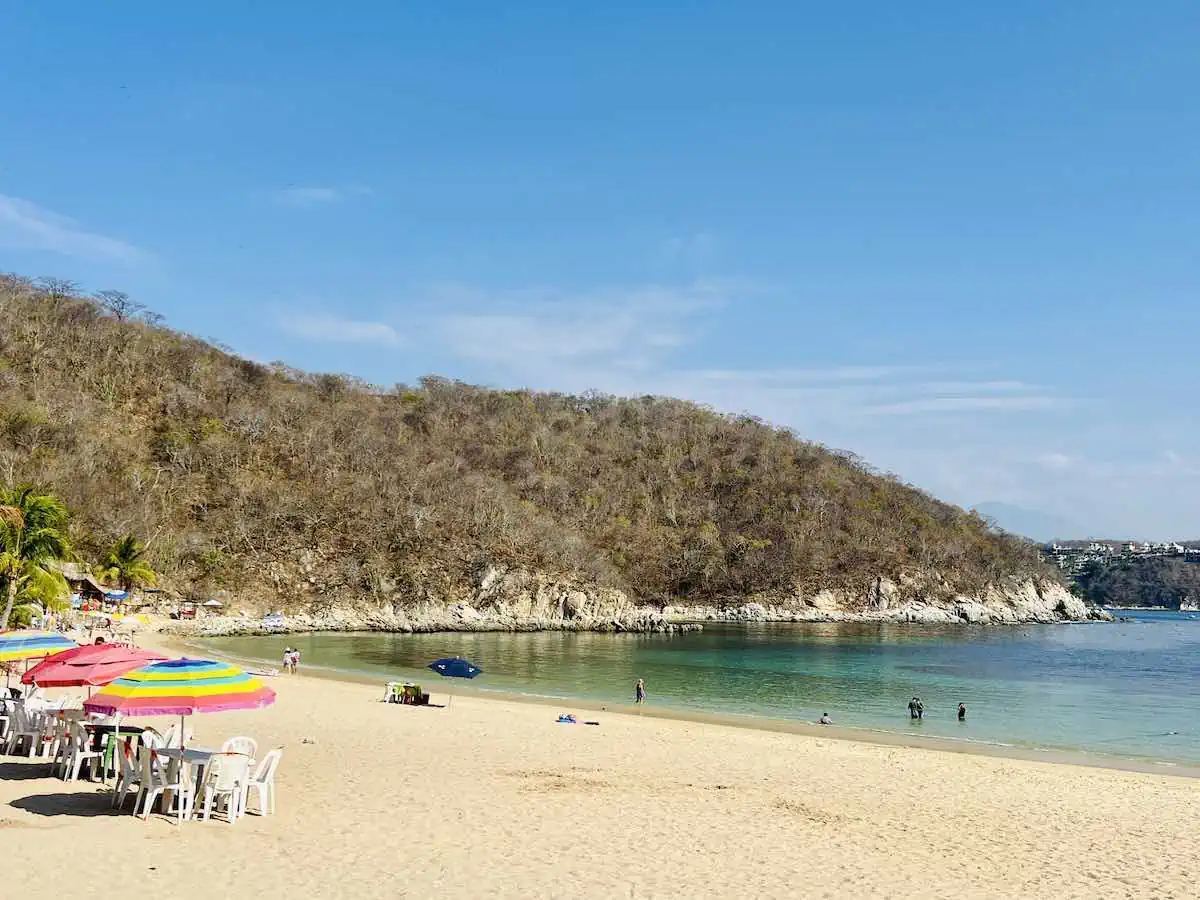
[962, 712]
[912, 708]
[639, 692]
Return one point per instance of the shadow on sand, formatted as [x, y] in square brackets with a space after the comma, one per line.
[78, 805]
[24, 771]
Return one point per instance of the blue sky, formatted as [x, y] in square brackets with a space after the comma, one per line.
[961, 241]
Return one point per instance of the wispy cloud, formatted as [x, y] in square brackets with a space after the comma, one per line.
[936, 421]
[332, 329]
[539, 332]
[963, 405]
[1054, 461]
[300, 197]
[689, 249]
[827, 374]
[631, 342]
[26, 226]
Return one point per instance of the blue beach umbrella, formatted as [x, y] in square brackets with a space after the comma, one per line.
[455, 667]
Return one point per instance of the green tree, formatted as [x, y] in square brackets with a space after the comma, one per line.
[33, 537]
[126, 564]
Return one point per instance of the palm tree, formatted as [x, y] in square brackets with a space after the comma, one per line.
[126, 564]
[33, 537]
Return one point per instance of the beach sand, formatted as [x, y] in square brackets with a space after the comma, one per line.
[491, 798]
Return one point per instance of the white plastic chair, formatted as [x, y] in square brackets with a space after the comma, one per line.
[26, 726]
[80, 753]
[243, 745]
[170, 736]
[38, 731]
[54, 734]
[155, 781]
[62, 752]
[226, 778]
[263, 784]
[128, 777]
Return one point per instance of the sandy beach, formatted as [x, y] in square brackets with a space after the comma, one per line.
[491, 798]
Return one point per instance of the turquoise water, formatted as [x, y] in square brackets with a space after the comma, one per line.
[1124, 689]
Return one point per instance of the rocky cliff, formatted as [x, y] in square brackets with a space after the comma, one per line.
[516, 600]
[1012, 603]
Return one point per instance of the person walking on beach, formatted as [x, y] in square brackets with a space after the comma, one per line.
[962, 712]
[287, 660]
[639, 692]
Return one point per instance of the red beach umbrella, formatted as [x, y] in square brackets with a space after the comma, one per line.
[93, 665]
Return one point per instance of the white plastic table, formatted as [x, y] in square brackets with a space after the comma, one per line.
[196, 758]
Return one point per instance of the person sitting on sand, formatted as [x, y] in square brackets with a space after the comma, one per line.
[639, 691]
[825, 720]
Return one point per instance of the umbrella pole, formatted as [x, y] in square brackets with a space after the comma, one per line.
[114, 747]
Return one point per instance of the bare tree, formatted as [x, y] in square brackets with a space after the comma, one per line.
[119, 304]
[59, 288]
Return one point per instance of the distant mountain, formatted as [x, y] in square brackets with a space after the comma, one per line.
[1031, 523]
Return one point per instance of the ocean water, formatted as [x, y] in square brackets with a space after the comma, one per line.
[1124, 689]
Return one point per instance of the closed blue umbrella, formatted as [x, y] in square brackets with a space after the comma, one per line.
[455, 667]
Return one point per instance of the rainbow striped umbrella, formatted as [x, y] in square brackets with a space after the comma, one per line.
[29, 644]
[181, 687]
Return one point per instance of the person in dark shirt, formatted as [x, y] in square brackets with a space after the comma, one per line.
[912, 708]
[962, 712]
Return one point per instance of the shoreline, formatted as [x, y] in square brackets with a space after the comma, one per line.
[645, 622]
[875, 737]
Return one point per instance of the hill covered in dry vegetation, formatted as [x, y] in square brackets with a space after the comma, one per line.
[245, 478]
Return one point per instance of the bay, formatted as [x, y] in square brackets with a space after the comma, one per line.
[1123, 689]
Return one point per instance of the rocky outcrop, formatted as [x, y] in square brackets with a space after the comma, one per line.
[517, 600]
[503, 600]
[921, 600]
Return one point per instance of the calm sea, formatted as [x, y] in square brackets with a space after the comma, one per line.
[1124, 689]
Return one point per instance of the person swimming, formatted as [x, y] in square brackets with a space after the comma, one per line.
[824, 720]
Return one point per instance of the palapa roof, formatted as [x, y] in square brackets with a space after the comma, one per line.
[77, 574]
